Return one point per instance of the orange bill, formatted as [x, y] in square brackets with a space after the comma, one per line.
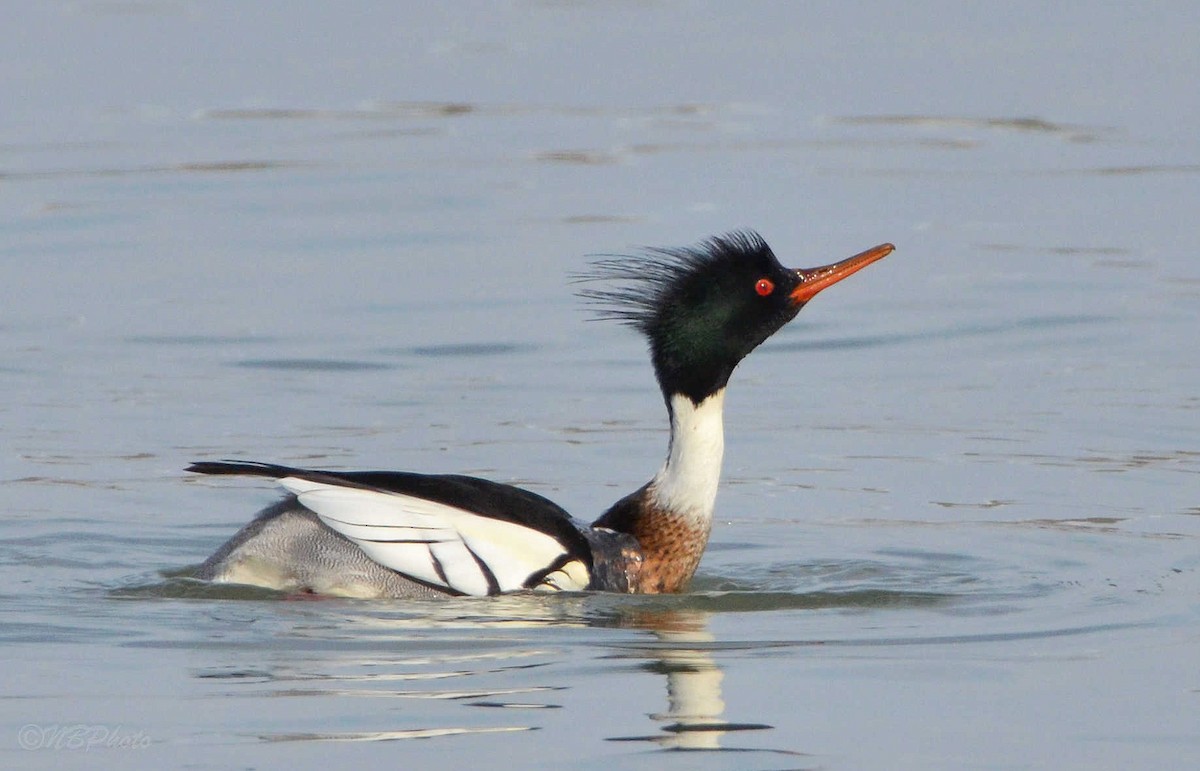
[813, 280]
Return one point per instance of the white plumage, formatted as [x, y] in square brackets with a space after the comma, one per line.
[687, 482]
[436, 543]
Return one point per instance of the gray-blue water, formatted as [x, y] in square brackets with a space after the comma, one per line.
[960, 519]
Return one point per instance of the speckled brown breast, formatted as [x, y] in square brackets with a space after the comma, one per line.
[672, 545]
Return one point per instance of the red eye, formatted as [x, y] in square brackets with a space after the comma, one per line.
[764, 287]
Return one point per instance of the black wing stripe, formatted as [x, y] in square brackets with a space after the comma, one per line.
[493, 584]
[437, 567]
[376, 524]
[538, 576]
[403, 540]
[393, 527]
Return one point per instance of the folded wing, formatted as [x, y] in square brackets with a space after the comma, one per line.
[465, 535]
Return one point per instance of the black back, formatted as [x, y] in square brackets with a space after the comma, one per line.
[481, 496]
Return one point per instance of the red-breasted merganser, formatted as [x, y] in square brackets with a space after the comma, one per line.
[403, 534]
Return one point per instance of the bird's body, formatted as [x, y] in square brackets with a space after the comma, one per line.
[401, 534]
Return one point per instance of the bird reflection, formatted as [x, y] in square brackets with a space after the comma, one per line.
[683, 652]
[420, 654]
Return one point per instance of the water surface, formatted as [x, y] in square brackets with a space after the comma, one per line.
[961, 508]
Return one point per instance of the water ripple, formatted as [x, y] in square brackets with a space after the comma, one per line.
[313, 365]
[961, 331]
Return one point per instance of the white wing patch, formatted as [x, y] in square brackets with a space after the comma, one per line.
[437, 543]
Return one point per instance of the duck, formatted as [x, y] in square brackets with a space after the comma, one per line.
[401, 534]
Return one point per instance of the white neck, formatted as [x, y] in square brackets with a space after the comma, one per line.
[687, 482]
